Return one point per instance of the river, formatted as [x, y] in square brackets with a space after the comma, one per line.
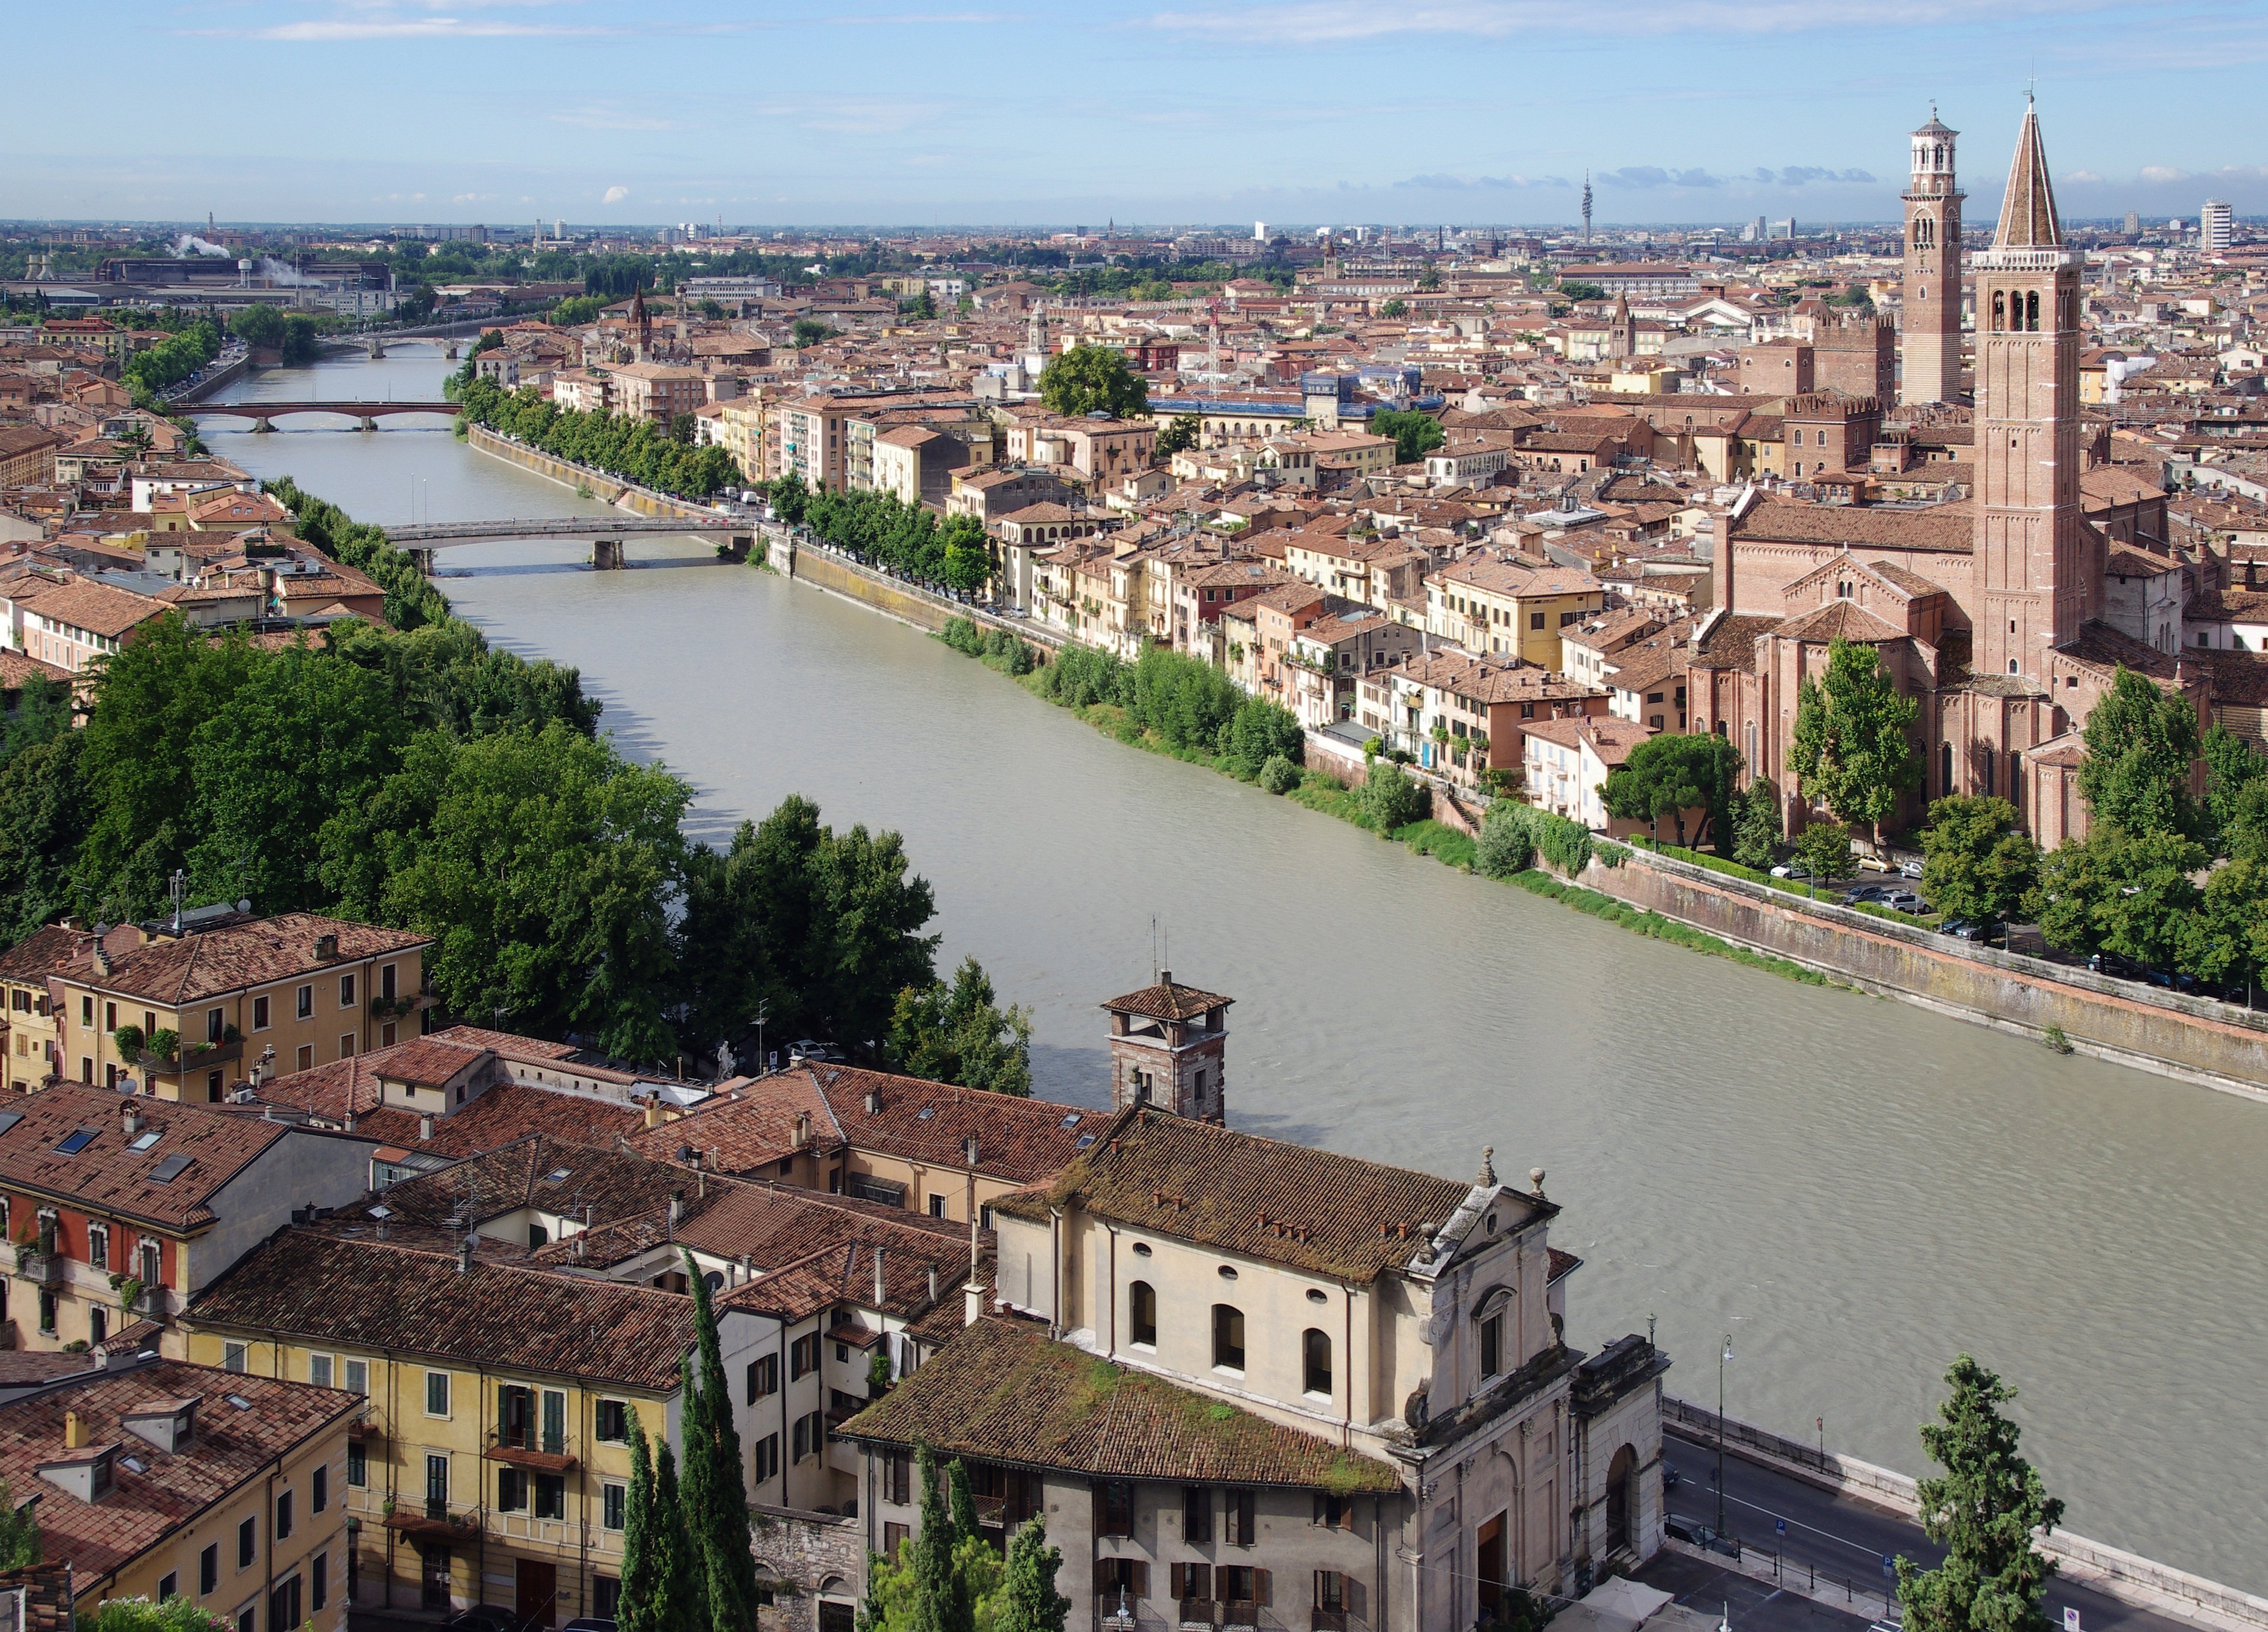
[1852, 1189]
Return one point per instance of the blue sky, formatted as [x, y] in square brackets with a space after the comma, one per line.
[1157, 111]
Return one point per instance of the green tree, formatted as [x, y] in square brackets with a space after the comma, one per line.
[1851, 748]
[1260, 730]
[1085, 379]
[1027, 1601]
[1983, 1511]
[961, 1497]
[788, 498]
[2119, 892]
[139, 1614]
[1179, 432]
[1979, 862]
[2226, 937]
[716, 1501]
[2233, 769]
[1671, 774]
[42, 827]
[968, 554]
[261, 327]
[1414, 433]
[639, 1609]
[679, 1604]
[2141, 743]
[810, 331]
[299, 338]
[1505, 846]
[1576, 289]
[1757, 829]
[20, 1534]
[1391, 797]
[1395, 308]
[1430, 279]
[1824, 848]
[957, 1033]
[43, 713]
[941, 1602]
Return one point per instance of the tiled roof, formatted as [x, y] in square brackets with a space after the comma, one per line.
[18, 669]
[511, 1111]
[1005, 1392]
[1017, 1139]
[46, 951]
[303, 1283]
[1168, 1000]
[212, 963]
[1946, 527]
[97, 608]
[1293, 1204]
[536, 1172]
[105, 1176]
[231, 1447]
[510, 1045]
[749, 1130]
[2028, 207]
[1840, 619]
[1731, 643]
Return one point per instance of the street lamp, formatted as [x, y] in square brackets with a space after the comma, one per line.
[1721, 1359]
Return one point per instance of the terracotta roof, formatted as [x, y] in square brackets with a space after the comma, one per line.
[97, 608]
[46, 951]
[18, 669]
[1840, 619]
[1005, 1392]
[748, 1131]
[165, 1492]
[1017, 1139]
[211, 963]
[104, 1176]
[1292, 1204]
[1949, 528]
[2028, 207]
[304, 1283]
[536, 1171]
[1731, 643]
[508, 1044]
[1168, 1000]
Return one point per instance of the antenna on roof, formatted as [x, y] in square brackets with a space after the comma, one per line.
[1154, 949]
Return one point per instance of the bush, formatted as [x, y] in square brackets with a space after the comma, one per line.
[1187, 702]
[1081, 676]
[963, 635]
[1392, 798]
[128, 1039]
[1504, 848]
[1279, 775]
[1262, 730]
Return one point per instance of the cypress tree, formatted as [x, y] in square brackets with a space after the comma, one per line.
[940, 1599]
[716, 1500]
[963, 1499]
[1027, 1601]
[1984, 1512]
[636, 1611]
[677, 1599]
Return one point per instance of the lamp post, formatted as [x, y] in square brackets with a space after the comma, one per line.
[1722, 1357]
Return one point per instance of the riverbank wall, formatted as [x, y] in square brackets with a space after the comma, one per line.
[227, 374]
[820, 568]
[622, 495]
[2127, 1576]
[2193, 1039]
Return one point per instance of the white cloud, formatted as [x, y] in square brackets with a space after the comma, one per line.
[2158, 174]
[2083, 178]
[335, 30]
[615, 194]
[1319, 22]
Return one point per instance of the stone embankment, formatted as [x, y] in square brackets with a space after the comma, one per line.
[609, 489]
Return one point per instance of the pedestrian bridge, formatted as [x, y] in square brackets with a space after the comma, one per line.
[736, 534]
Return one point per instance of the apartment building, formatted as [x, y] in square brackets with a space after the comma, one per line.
[1509, 607]
[656, 392]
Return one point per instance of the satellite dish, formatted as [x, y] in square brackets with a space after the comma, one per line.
[245, 905]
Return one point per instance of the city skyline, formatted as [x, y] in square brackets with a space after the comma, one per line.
[506, 110]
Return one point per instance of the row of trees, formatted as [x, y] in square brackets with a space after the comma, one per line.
[266, 328]
[633, 449]
[171, 360]
[883, 530]
[1188, 703]
[947, 1578]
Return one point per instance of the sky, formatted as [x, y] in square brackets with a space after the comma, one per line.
[1006, 113]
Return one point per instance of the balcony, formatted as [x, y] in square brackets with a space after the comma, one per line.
[40, 1269]
[431, 1520]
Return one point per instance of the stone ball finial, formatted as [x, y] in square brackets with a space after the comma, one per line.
[1488, 1166]
[1535, 1179]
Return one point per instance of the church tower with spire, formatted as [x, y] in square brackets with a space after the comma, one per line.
[2030, 556]
[1930, 349]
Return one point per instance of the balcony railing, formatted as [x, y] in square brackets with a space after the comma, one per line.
[40, 1269]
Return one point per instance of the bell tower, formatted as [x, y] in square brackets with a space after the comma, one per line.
[1931, 347]
[2031, 574]
[1167, 1044]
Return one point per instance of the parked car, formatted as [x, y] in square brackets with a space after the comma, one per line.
[2112, 964]
[590, 1623]
[806, 1049]
[1973, 929]
[1697, 1534]
[2175, 980]
[482, 1618]
[1873, 863]
[1905, 900]
[1791, 870]
[1871, 893]
[1910, 869]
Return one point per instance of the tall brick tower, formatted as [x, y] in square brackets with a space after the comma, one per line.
[1167, 1044]
[2030, 547]
[1932, 346]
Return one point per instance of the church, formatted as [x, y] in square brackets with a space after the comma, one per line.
[2005, 613]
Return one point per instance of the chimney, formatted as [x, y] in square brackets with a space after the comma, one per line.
[326, 948]
[873, 1102]
[676, 1208]
[877, 1277]
[130, 1123]
[972, 1301]
[802, 1128]
[74, 1433]
[465, 1256]
[932, 1283]
[424, 1127]
[968, 1150]
[1165, 977]
[653, 1112]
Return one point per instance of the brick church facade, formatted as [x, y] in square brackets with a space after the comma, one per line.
[1992, 610]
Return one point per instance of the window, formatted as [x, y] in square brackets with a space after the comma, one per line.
[168, 1586]
[358, 1376]
[86, 1011]
[98, 1245]
[346, 991]
[1492, 1345]
[306, 1002]
[897, 1478]
[216, 1024]
[765, 1463]
[606, 1595]
[1196, 1516]
[437, 1394]
[1192, 1583]
[1240, 1515]
[1117, 1507]
[893, 1537]
[555, 1422]
[1335, 1513]
[260, 1014]
[284, 1603]
[318, 1489]
[803, 1356]
[1334, 1592]
[307, 1058]
[1142, 1313]
[1315, 1362]
[1242, 1584]
[1535, 620]
[319, 1581]
[1121, 1581]
[614, 1504]
[248, 1618]
[1228, 1336]
[358, 1463]
[232, 1357]
[551, 1496]
[346, 1045]
[936, 1206]
[612, 1423]
[512, 1491]
[208, 1569]
[283, 1516]
[318, 1371]
[248, 1543]
[385, 983]
[763, 1377]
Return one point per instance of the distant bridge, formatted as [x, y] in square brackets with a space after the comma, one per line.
[267, 412]
[606, 533]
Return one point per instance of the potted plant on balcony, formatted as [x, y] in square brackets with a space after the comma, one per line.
[165, 1045]
[128, 1288]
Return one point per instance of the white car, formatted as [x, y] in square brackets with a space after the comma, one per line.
[1791, 870]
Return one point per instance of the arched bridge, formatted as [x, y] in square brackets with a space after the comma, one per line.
[267, 412]
[736, 534]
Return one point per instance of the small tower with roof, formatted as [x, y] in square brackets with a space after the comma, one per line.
[1167, 1049]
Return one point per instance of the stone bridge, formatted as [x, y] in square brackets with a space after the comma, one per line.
[736, 533]
[267, 413]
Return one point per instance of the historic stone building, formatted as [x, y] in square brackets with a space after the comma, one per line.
[1992, 610]
[1931, 345]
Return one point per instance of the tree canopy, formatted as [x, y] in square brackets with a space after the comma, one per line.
[1668, 775]
[1984, 1511]
[1978, 861]
[1850, 750]
[1414, 433]
[959, 1034]
[2141, 743]
[1085, 380]
[618, 444]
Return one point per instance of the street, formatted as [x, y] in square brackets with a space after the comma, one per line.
[1846, 1540]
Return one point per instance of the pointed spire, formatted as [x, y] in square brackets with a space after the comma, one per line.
[2028, 210]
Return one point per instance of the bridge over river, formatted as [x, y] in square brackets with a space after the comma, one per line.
[267, 413]
[736, 534]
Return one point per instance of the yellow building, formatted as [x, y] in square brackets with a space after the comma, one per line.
[155, 1478]
[294, 991]
[1492, 606]
[492, 1462]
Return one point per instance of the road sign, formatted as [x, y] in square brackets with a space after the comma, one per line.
[1890, 1565]
[1780, 1526]
[2070, 1621]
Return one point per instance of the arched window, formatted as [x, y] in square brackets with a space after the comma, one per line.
[1999, 311]
[1228, 1336]
[2032, 312]
[1142, 1313]
[1315, 1362]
